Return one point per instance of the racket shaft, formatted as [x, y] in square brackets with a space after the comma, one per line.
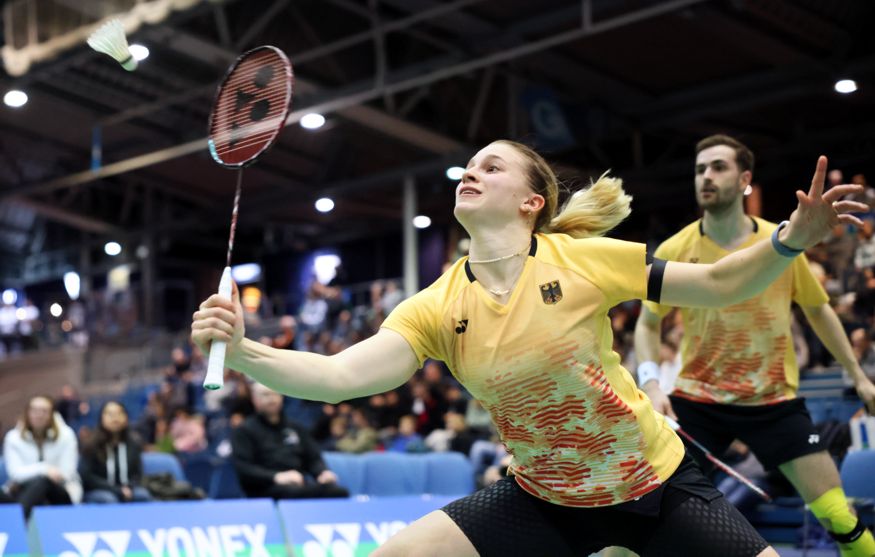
[716, 461]
[216, 367]
[726, 468]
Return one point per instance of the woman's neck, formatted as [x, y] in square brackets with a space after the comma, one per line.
[489, 245]
[497, 260]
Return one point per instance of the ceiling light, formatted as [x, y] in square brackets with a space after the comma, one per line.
[73, 284]
[324, 204]
[312, 121]
[455, 172]
[15, 98]
[139, 52]
[10, 296]
[846, 86]
[112, 248]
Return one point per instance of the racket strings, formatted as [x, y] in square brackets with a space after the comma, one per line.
[260, 87]
[247, 137]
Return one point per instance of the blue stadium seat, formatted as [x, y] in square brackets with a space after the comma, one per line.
[159, 463]
[198, 469]
[449, 473]
[394, 474]
[350, 470]
[224, 483]
[857, 474]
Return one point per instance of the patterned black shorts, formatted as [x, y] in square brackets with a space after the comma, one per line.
[685, 517]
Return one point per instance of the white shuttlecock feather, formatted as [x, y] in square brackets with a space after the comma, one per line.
[110, 39]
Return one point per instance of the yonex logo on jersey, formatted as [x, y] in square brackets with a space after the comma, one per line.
[551, 292]
[813, 439]
[694, 260]
[463, 326]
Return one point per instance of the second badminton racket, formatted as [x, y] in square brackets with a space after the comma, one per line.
[716, 461]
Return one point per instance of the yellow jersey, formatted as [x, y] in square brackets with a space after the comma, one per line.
[580, 432]
[740, 354]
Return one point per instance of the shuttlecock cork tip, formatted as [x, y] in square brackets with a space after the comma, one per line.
[110, 39]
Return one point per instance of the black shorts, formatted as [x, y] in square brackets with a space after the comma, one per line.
[776, 433]
[685, 516]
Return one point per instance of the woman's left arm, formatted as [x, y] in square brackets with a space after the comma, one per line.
[745, 273]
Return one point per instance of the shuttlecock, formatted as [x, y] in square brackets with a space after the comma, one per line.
[110, 39]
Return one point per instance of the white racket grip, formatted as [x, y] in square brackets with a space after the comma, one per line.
[215, 378]
[671, 423]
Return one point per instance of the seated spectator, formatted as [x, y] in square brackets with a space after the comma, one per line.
[69, 406]
[496, 471]
[864, 255]
[485, 454]
[454, 437]
[406, 440]
[324, 427]
[428, 406]
[392, 296]
[238, 397]
[362, 436]
[187, 431]
[864, 351]
[41, 456]
[275, 457]
[153, 425]
[112, 465]
[286, 337]
[338, 430]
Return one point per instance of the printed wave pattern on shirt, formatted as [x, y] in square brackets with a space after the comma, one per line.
[574, 441]
[737, 356]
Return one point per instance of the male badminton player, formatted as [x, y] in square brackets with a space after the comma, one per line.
[522, 323]
[739, 374]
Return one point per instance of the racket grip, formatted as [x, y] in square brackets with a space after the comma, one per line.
[215, 378]
[671, 423]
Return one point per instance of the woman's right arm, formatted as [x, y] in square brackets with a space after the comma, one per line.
[374, 365]
[17, 465]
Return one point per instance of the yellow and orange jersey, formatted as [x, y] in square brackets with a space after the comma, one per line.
[740, 354]
[580, 432]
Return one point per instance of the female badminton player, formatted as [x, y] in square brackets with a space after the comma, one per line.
[522, 323]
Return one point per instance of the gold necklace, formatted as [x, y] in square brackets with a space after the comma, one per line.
[502, 258]
[498, 292]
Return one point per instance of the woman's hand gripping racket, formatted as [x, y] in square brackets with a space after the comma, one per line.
[250, 108]
[716, 461]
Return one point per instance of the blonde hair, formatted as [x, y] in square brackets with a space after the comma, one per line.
[589, 212]
[52, 431]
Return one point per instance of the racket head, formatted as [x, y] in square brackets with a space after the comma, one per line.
[250, 107]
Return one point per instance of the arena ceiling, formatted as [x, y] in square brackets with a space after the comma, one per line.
[408, 88]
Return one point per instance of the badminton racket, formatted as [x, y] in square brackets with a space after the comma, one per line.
[249, 110]
[716, 461]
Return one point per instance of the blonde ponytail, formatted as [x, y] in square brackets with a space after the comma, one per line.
[593, 211]
[589, 212]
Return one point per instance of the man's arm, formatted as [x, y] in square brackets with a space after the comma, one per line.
[829, 330]
[647, 342]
